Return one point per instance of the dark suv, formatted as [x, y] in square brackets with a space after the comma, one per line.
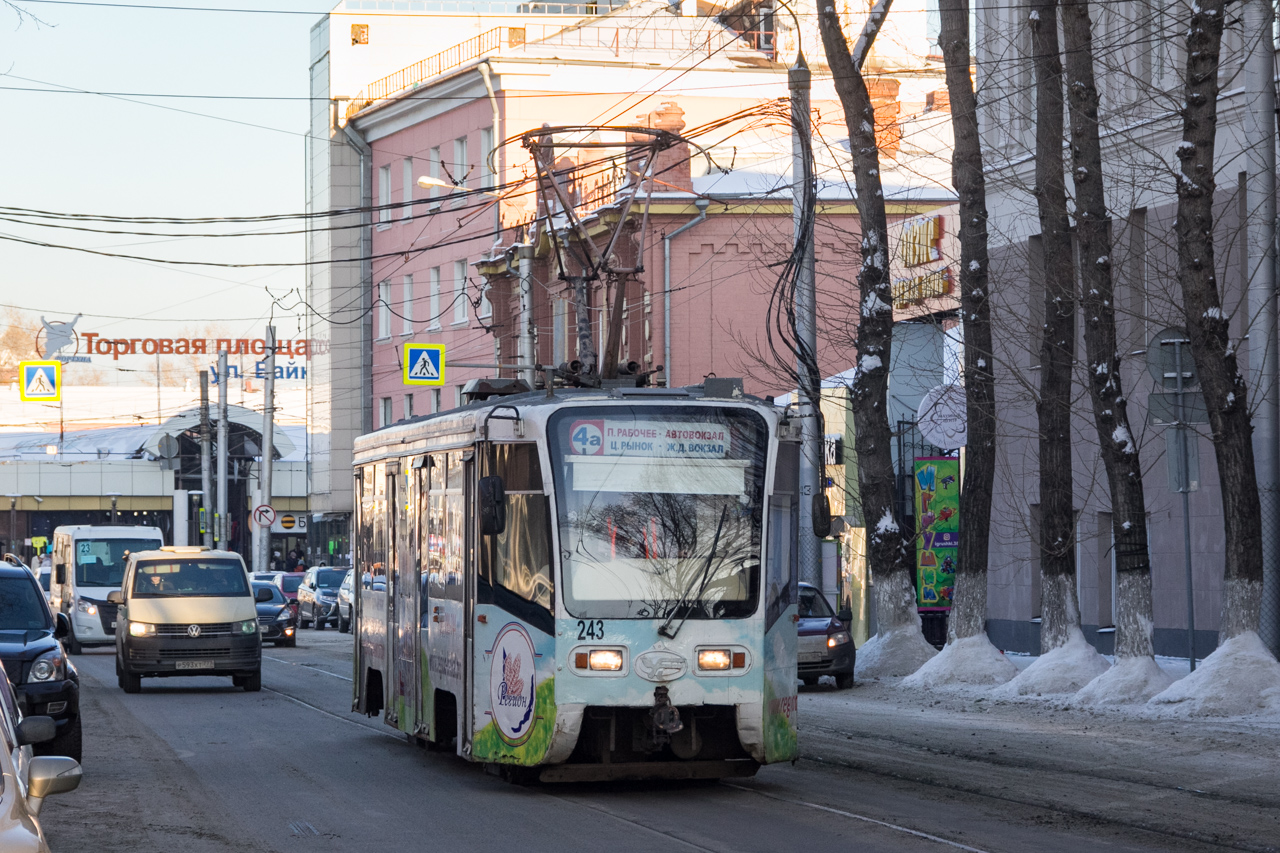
[43, 678]
[318, 596]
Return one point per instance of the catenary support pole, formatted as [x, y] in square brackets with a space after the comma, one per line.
[206, 468]
[220, 518]
[524, 258]
[263, 562]
[1260, 162]
[798, 80]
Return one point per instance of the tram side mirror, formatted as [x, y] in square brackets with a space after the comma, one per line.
[60, 574]
[821, 516]
[493, 506]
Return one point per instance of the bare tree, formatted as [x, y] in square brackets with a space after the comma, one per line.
[1059, 608]
[888, 549]
[1224, 389]
[1116, 442]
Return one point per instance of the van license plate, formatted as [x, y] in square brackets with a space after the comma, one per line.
[194, 664]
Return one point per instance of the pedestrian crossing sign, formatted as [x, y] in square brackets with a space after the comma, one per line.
[424, 364]
[40, 381]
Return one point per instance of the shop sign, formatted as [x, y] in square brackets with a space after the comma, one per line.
[937, 486]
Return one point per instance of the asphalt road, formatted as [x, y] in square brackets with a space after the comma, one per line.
[195, 765]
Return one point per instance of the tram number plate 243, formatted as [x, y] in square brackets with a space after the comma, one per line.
[591, 629]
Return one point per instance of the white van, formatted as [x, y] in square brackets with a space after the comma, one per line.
[187, 611]
[89, 562]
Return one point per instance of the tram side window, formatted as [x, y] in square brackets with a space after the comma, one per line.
[781, 570]
[518, 560]
[444, 535]
[373, 517]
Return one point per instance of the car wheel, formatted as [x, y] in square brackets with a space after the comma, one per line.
[344, 625]
[119, 668]
[844, 681]
[68, 742]
[319, 623]
[303, 622]
[73, 645]
[131, 683]
[252, 683]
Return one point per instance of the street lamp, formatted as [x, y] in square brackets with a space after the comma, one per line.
[13, 518]
[114, 496]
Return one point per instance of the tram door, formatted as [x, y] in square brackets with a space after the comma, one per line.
[404, 692]
[443, 545]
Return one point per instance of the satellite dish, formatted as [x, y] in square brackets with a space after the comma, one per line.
[169, 446]
[942, 417]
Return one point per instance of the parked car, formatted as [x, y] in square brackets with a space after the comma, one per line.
[825, 646]
[35, 778]
[288, 583]
[345, 592]
[277, 618]
[43, 574]
[187, 611]
[318, 596]
[44, 680]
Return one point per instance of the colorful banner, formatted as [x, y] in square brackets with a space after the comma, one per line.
[937, 530]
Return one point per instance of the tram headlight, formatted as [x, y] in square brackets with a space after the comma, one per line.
[714, 659]
[608, 660]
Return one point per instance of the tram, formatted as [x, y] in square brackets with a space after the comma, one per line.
[583, 585]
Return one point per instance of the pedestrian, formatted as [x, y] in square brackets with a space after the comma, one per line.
[291, 564]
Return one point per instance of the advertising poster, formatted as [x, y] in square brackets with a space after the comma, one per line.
[938, 530]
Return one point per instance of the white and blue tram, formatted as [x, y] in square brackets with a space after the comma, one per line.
[587, 585]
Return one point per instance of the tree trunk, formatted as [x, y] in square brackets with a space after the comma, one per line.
[1059, 608]
[887, 549]
[1110, 408]
[969, 606]
[1225, 394]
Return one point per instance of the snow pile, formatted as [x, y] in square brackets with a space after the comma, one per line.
[1130, 681]
[1239, 678]
[900, 651]
[967, 661]
[1066, 669]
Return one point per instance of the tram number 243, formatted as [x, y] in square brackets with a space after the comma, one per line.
[590, 629]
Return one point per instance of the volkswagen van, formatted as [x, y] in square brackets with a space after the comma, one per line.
[187, 611]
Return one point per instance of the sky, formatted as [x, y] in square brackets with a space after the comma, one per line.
[89, 153]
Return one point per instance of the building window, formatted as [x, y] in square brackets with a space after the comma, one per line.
[435, 399]
[433, 169]
[457, 396]
[433, 303]
[406, 306]
[460, 160]
[408, 406]
[485, 308]
[384, 194]
[488, 158]
[384, 310]
[386, 411]
[459, 292]
[407, 212]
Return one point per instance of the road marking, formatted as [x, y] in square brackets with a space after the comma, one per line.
[918, 834]
[309, 666]
[301, 827]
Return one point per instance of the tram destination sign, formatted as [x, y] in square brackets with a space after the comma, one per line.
[605, 437]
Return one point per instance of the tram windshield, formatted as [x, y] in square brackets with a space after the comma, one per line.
[659, 510]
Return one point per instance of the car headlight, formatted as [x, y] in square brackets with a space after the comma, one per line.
[715, 659]
[85, 606]
[248, 626]
[284, 615]
[141, 629]
[50, 666]
[839, 638]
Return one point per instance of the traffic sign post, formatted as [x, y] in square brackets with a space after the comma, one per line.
[424, 364]
[264, 515]
[40, 381]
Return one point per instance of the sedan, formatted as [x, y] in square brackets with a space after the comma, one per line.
[825, 646]
[318, 596]
[344, 601]
[26, 781]
[288, 583]
[277, 618]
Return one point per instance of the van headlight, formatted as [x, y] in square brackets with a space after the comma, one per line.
[248, 626]
[48, 667]
[141, 629]
[85, 606]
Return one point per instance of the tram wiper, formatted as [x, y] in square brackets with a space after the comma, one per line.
[666, 630]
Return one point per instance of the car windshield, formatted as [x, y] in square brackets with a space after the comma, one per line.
[44, 581]
[22, 607]
[659, 510]
[190, 578]
[100, 562]
[277, 597]
[813, 605]
[330, 579]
